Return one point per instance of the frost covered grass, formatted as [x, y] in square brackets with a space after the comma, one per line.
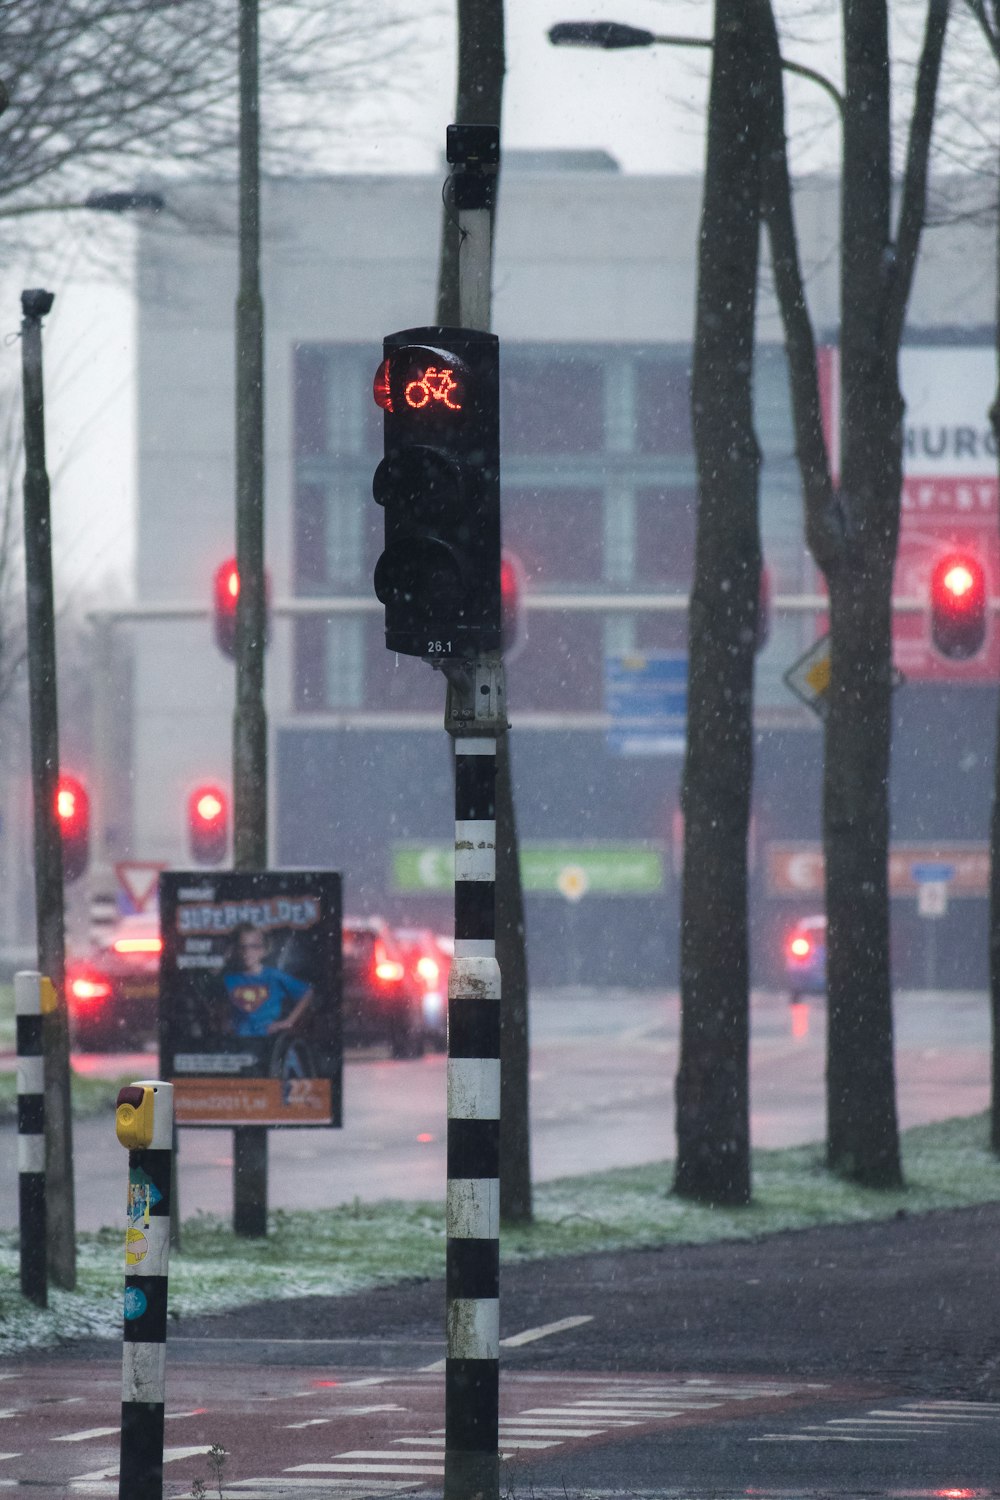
[333, 1252]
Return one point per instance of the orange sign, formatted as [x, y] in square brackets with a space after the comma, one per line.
[257, 1101]
[797, 869]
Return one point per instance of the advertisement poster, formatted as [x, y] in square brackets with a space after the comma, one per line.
[250, 996]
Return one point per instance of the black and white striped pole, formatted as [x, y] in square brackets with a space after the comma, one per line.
[28, 990]
[144, 1121]
[472, 1363]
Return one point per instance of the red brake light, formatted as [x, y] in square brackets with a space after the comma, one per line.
[428, 970]
[89, 989]
[138, 945]
[389, 970]
[800, 946]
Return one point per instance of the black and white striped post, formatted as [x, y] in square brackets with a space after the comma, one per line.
[474, 717]
[144, 1121]
[31, 1137]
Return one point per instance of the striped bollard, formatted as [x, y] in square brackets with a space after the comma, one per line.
[144, 1121]
[28, 987]
[472, 1463]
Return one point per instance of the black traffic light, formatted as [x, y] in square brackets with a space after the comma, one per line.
[225, 598]
[439, 485]
[208, 825]
[73, 817]
[958, 606]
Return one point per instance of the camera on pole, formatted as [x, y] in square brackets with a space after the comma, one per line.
[439, 485]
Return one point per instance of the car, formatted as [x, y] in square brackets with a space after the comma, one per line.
[113, 992]
[428, 957]
[805, 956]
[381, 1000]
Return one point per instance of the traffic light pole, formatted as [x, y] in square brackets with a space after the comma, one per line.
[44, 733]
[250, 718]
[475, 717]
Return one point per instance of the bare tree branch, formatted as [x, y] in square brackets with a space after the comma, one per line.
[913, 204]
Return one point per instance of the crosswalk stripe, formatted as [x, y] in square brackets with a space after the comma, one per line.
[334, 1468]
[81, 1437]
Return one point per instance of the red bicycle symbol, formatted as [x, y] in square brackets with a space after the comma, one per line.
[433, 385]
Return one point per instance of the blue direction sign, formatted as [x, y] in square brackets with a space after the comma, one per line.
[645, 694]
[928, 872]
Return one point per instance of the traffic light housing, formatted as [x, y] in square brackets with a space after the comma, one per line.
[512, 626]
[73, 818]
[958, 606]
[439, 485]
[208, 825]
[225, 598]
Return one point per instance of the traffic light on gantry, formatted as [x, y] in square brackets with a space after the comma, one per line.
[439, 485]
[225, 600]
[208, 825]
[958, 606]
[225, 597]
[73, 818]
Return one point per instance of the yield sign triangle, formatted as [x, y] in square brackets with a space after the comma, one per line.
[138, 879]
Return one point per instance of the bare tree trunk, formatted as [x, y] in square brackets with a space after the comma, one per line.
[713, 1137]
[853, 536]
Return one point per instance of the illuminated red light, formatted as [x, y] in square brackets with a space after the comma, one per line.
[138, 945]
[89, 989]
[72, 804]
[380, 387]
[209, 806]
[958, 580]
[428, 970]
[433, 385]
[800, 947]
[389, 970]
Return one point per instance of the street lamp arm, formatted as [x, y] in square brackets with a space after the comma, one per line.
[616, 35]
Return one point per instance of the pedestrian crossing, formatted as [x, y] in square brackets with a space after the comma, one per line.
[408, 1461]
[905, 1423]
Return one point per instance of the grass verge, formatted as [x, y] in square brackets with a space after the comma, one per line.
[346, 1249]
[91, 1097]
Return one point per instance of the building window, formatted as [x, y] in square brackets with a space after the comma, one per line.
[551, 403]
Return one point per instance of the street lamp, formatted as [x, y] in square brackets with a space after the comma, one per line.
[613, 35]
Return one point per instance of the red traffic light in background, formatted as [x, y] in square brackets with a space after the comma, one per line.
[208, 825]
[73, 817]
[225, 597]
[513, 633]
[958, 606]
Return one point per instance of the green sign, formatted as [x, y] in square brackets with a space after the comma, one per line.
[567, 870]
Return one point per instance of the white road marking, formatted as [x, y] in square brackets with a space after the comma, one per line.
[386, 1453]
[170, 1456]
[332, 1468]
[530, 1335]
[82, 1437]
[312, 1422]
[821, 1437]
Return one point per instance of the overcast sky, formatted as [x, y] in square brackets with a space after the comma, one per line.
[645, 107]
